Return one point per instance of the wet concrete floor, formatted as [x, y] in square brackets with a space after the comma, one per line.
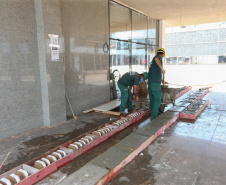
[148, 172]
[30, 144]
[186, 154]
[80, 161]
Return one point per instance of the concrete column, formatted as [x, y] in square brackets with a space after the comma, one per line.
[48, 21]
[193, 59]
[162, 34]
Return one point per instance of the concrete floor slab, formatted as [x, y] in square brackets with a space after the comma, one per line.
[187, 153]
[165, 163]
[212, 172]
[203, 131]
[217, 150]
[132, 141]
[223, 117]
[169, 114]
[142, 172]
[87, 175]
[176, 109]
[183, 128]
[111, 157]
[220, 134]
[148, 130]
[159, 121]
[182, 104]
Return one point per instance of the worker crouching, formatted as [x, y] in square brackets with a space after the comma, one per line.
[126, 83]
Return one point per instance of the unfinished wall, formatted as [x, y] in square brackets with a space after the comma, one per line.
[32, 86]
[48, 19]
[85, 30]
[20, 102]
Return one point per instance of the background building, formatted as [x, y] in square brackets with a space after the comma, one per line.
[198, 44]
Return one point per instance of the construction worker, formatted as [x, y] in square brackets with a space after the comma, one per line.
[154, 82]
[126, 83]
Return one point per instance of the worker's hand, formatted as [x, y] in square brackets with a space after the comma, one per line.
[137, 98]
[165, 82]
[163, 71]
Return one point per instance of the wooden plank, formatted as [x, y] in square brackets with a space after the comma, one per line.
[203, 88]
[87, 111]
[105, 107]
[109, 112]
[109, 106]
[91, 109]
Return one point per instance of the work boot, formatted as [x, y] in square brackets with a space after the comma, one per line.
[123, 112]
[153, 118]
[129, 110]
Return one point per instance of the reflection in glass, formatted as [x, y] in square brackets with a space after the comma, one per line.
[120, 56]
[152, 33]
[171, 60]
[151, 54]
[133, 40]
[139, 27]
[139, 57]
[120, 22]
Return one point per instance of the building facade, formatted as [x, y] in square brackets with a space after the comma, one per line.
[198, 44]
[52, 47]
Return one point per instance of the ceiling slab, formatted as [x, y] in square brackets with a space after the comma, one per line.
[181, 13]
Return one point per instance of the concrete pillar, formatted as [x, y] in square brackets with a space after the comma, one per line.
[193, 59]
[48, 20]
[162, 34]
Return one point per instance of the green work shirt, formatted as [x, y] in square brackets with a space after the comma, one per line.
[155, 74]
[130, 78]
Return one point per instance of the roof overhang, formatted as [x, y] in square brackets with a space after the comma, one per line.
[180, 13]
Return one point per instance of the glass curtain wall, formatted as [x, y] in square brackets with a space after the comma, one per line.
[133, 39]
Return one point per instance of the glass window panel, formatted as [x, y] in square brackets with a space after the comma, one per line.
[133, 50]
[139, 58]
[139, 27]
[152, 31]
[151, 54]
[120, 22]
[120, 56]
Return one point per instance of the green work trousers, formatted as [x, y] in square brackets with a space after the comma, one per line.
[125, 98]
[155, 98]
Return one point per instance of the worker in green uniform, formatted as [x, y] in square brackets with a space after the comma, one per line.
[154, 82]
[126, 83]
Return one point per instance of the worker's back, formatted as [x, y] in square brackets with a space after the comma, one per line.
[130, 78]
[154, 74]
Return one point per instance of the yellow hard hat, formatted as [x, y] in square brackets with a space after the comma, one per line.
[162, 49]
